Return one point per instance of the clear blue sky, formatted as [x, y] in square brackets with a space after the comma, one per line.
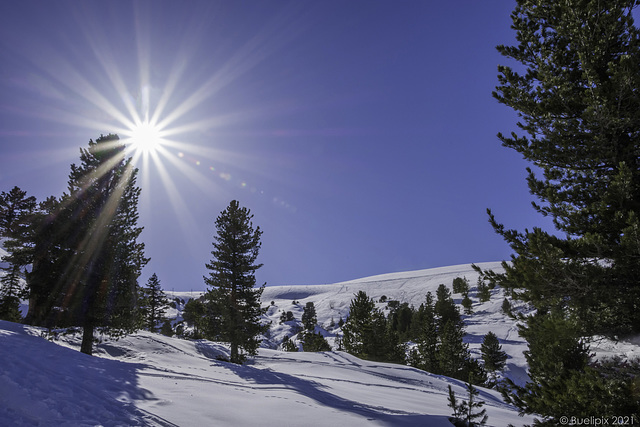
[361, 134]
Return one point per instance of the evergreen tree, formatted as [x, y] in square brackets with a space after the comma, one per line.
[467, 304]
[96, 236]
[506, 307]
[400, 319]
[156, 303]
[233, 297]
[426, 357]
[367, 335]
[484, 292]
[464, 412]
[556, 355]
[453, 352]
[314, 342]
[468, 407]
[309, 317]
[445, 307]
[50, 258]
[578, 103]
[195, 315]
[289, 345]
[460, 285]
[492, 354]
[453, 404]
[16, 213]
[287, 317]
[358, 329]
[10, 295]
[166, 329]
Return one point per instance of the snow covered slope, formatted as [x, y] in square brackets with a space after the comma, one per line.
[150, 379]
[332, 303]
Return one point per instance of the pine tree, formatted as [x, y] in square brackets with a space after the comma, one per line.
[400, 320]
[426, 357]
[96, 232]
[51, 256]
[468, 407]
[484, 292]
[287, 317]
[309, 317]
[556, 355]
[156, 303]
[195, 315]
[453, 352]
[464, 413]
[313, 342]
[366, 333]
[289, 345]
[467, 304]
[233, 297]
[445, 307]
[578, 103]
[460, 285]
[453, 403]
[166, 329]
[494, 358]
[16, 213]
[506, 307]
[358, 329]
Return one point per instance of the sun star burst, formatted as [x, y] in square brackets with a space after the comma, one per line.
[145, 137]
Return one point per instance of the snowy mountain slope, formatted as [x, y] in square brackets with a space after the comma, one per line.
[150, 379]
[332, 303]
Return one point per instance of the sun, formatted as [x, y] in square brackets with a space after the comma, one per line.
[145, 137]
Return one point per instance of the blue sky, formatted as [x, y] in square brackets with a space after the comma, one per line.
[361, 134]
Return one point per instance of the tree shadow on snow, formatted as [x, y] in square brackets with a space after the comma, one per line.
[317, 392]
[48, 384]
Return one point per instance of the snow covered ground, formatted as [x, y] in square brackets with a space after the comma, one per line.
[150, 379]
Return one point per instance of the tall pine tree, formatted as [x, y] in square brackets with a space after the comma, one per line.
[309, 317]
[233, 297]
[579, 106]
[155, 303]
[580, 116]
[494, 357]
[426, 354]
[50, 255]
[367, 335]
[96, 229]
[16, 214]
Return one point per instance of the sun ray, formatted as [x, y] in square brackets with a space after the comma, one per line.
[184, 217]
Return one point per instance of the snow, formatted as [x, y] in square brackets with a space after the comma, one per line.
[332, 302]
[152, 380]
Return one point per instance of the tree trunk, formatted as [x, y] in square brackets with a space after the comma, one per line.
[234, 353]
[87, 339]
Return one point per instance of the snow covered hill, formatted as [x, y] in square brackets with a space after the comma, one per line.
[152, 380]
[332, 303]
